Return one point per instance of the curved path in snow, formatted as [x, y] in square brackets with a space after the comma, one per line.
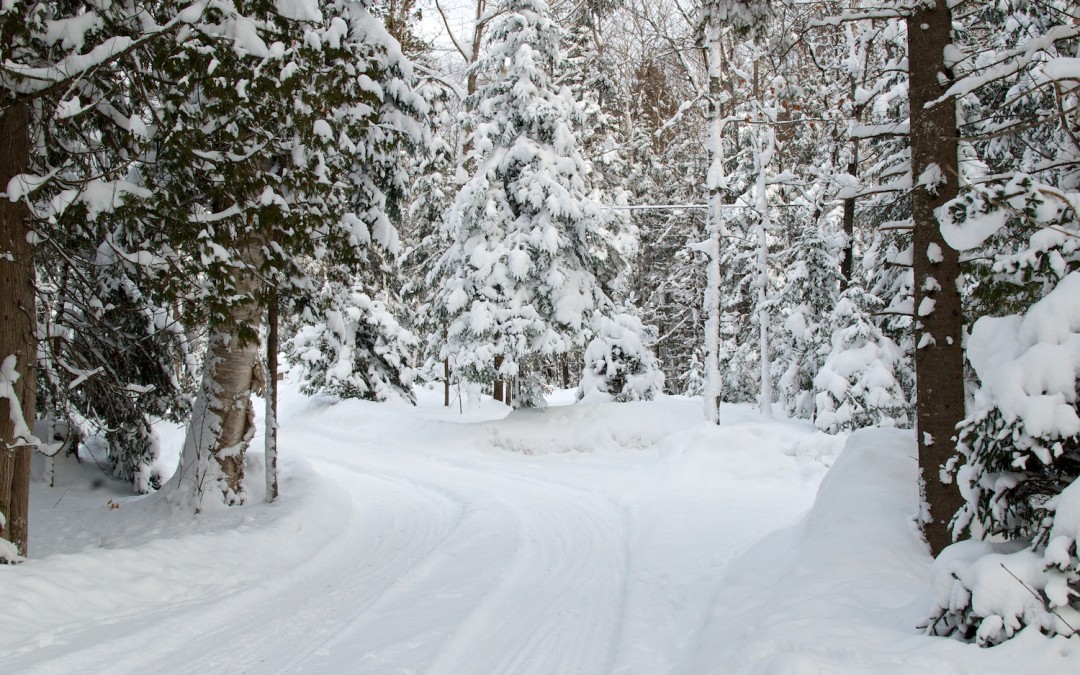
[419, 545]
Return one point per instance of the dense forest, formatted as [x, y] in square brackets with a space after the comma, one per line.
[851, 213]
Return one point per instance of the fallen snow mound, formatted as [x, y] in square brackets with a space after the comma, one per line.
[843, 591]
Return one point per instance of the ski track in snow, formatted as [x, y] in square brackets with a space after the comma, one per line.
[414, 559]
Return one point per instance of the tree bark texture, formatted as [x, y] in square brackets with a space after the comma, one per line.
[272, 346]
[714, 226]
[446, 382]
[939, 359]
[223, 417]
[847, 264]
[17, 319]
[500, 388]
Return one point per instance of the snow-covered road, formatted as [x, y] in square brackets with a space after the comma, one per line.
[581, 539]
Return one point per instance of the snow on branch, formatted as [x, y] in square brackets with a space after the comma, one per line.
[8, 377]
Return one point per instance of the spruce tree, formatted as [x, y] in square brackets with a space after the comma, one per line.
[858, 384]
[523, 277]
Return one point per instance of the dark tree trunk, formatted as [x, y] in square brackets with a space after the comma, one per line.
[17, 319]
[939, 359]
[446, 382]
[499, 389]
[847, 265]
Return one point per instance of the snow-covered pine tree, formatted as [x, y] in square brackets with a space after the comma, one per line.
[282, 128]
[72, 82]
[858, 385]
[863, 159]
[352, 347]
[524, 274]
[425, 239]
[811, 285]
[110, 363]
[1019, 446]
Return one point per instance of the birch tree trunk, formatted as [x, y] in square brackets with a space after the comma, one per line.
[223, 417]
[715, 181]
[764, 157]
[18, 350]
[939, 360]
[272, 346]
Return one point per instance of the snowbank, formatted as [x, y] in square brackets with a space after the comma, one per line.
[843, 591]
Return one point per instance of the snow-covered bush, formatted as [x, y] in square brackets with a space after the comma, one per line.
[354, 349]
[858, 384]
[1020, 446]
[618, 363]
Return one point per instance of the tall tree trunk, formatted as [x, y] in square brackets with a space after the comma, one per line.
[847, 265]
[223, 417]
[272, 347]
[446, 382]
[761, 277]
[938, 356]
[499, 388]
[715, 182]
[18, 350]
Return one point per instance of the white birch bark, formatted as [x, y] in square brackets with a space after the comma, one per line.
[764, 157]
[223, 417]
[715, 181]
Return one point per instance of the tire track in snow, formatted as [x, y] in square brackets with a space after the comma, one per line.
[532, 580]
[265, 616]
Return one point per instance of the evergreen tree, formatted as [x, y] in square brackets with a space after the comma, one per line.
[110, 364]
[1019, 459]
[524, 275]
[858, 383]
[353, 347]
[806, 300]
[282, 132]
[73, 102]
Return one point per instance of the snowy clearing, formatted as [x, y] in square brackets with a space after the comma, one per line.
[586, 538]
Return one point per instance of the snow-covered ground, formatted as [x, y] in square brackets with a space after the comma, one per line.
[600, 538]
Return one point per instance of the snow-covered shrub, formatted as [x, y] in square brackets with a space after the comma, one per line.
[354, 349]
[985, 592]
[1020, 446]
[858, 384]
[111, 365]
[618, 364]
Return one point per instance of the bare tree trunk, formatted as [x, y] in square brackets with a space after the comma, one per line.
[272, 398]
[223, 417]
[498, 387]
[847, 265]
[715, 182]
[938, 356]
[446, 382]
[18, 350]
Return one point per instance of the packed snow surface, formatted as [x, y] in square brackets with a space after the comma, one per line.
[583, 538]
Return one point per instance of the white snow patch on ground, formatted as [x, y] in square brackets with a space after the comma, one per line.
[578, 539]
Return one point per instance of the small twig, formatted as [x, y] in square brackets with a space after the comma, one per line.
[1038, 597]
